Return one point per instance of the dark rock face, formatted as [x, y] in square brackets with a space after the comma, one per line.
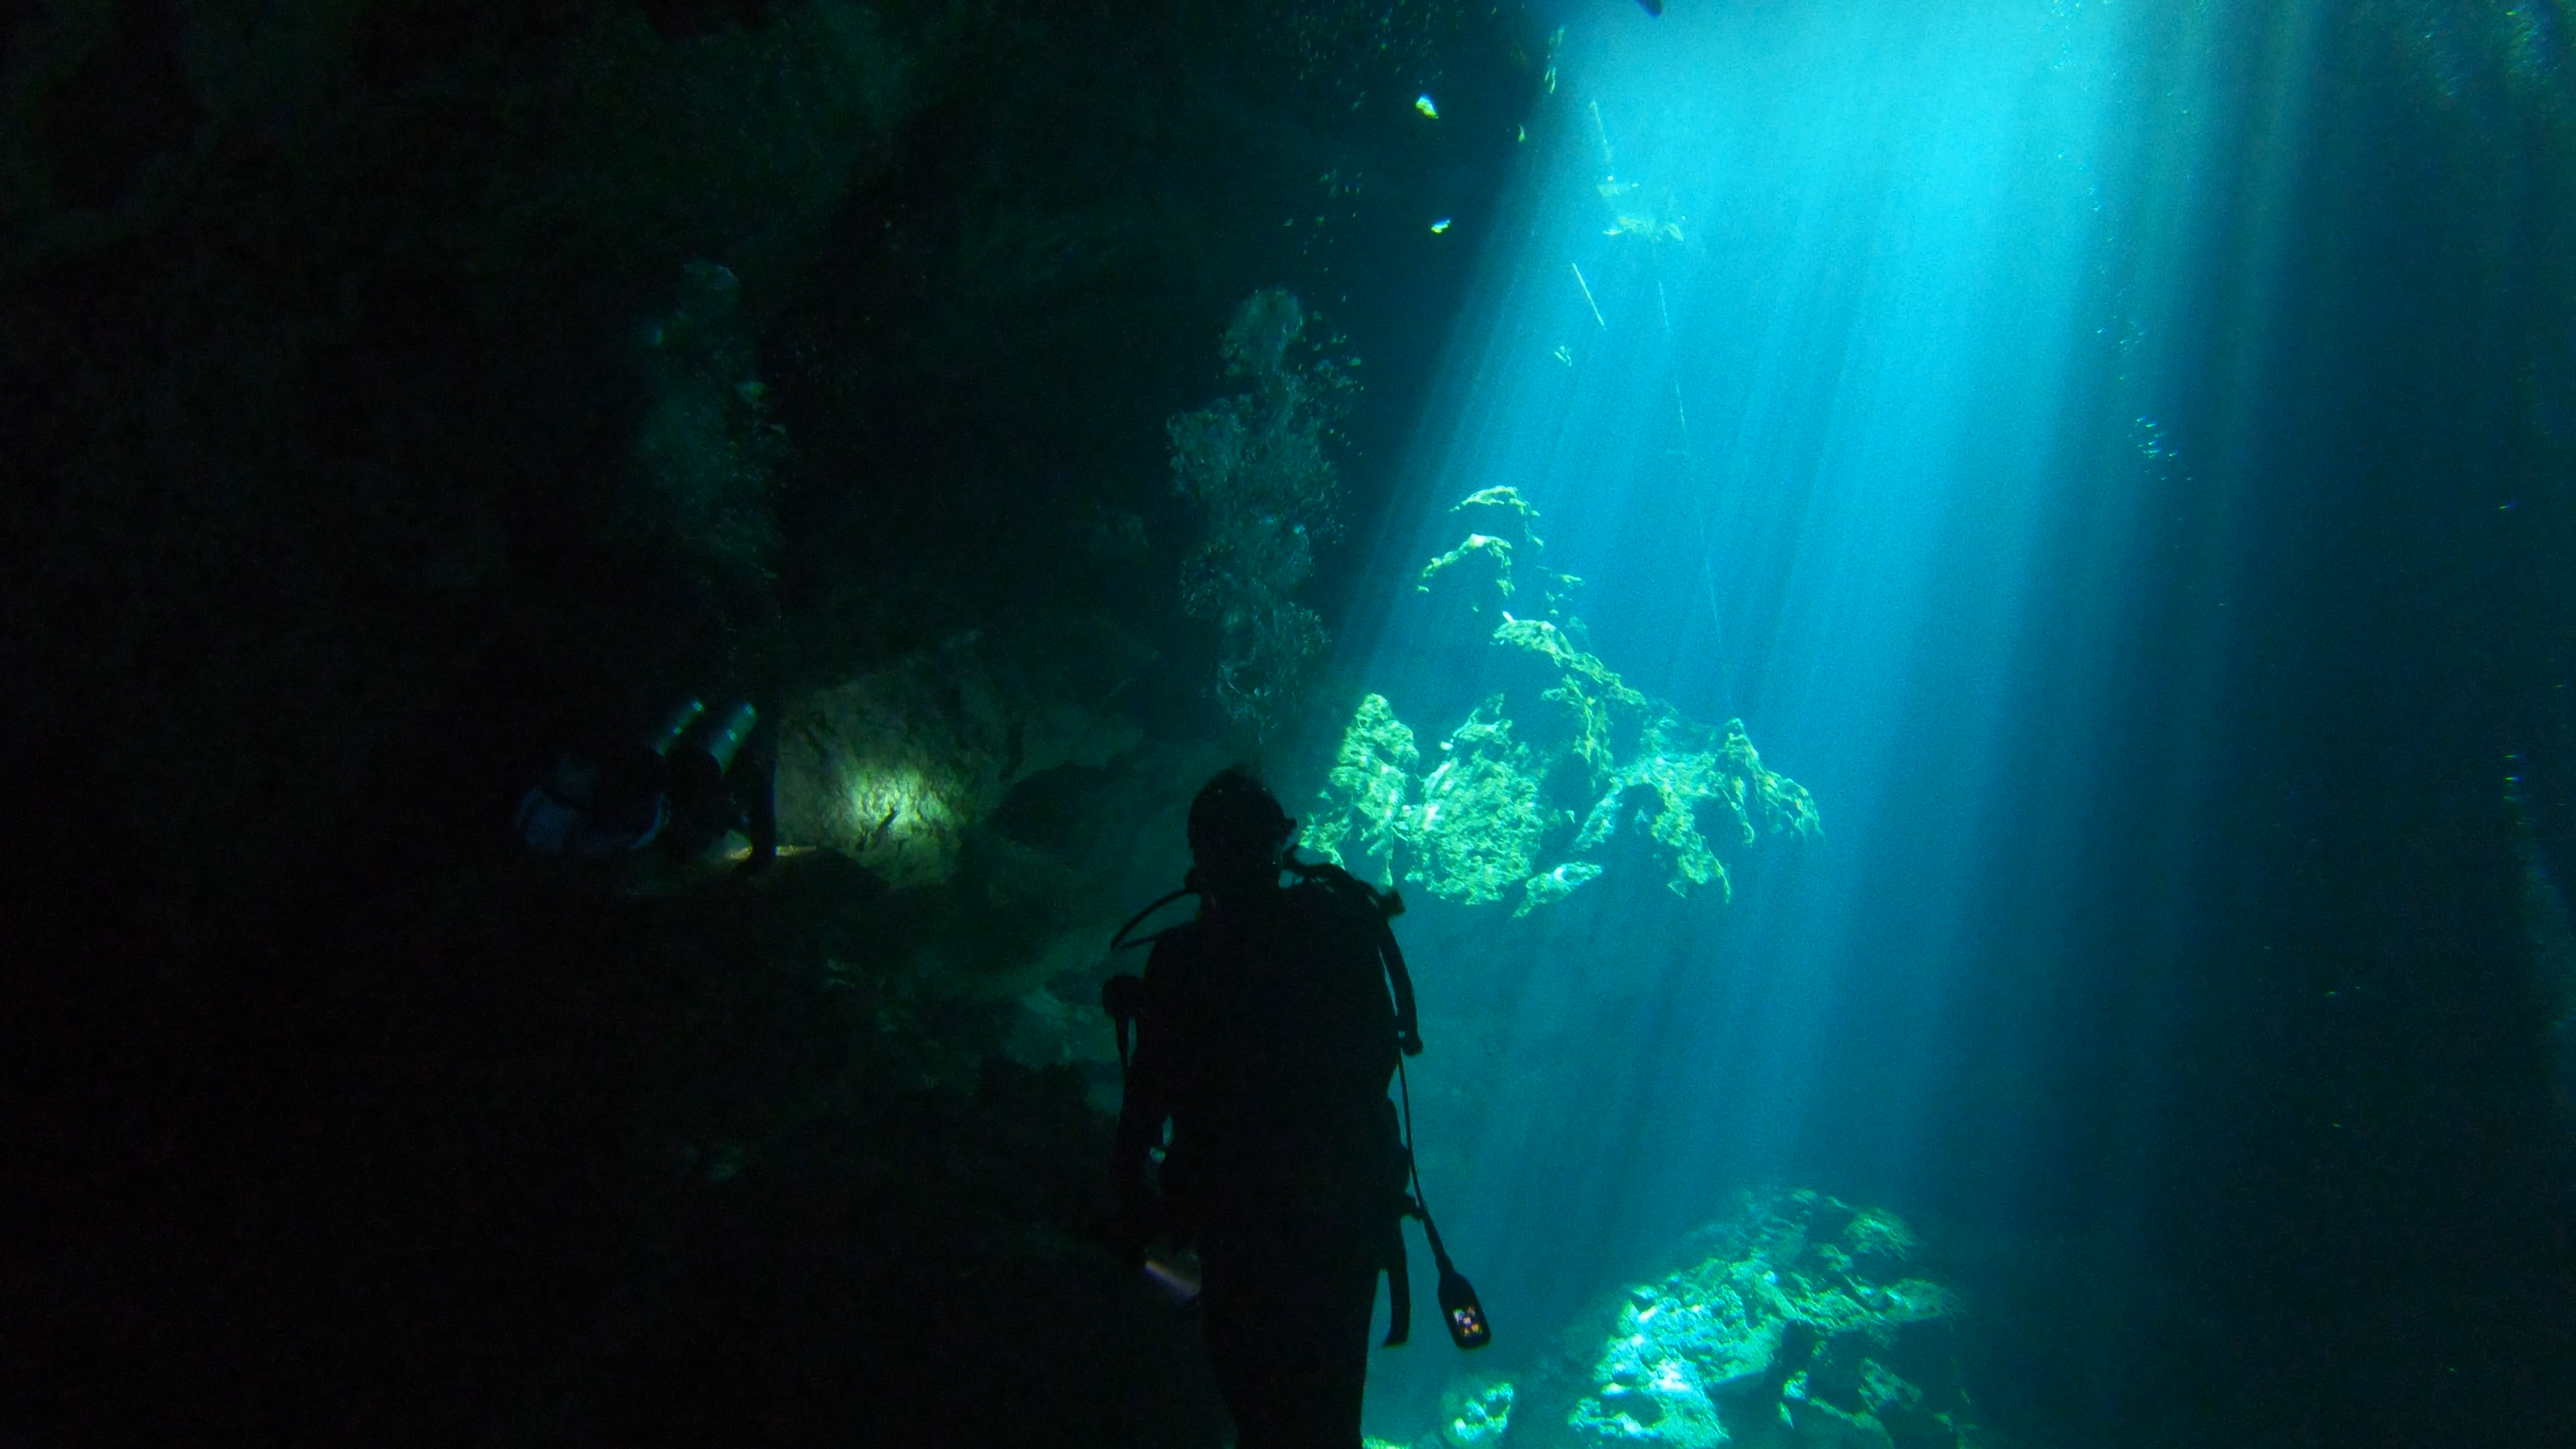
[394, 394]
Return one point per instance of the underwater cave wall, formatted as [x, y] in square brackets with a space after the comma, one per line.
[394, 394]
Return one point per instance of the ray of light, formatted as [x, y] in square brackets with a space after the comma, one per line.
[1824, 338]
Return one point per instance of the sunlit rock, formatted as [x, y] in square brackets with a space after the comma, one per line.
[1801, 1326]
[1373, 775]
[1525, 800]
[1481, 823]
[1498, 566]
[891, 768]
[1475, 1411]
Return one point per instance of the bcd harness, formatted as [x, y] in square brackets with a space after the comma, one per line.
[1123, 997]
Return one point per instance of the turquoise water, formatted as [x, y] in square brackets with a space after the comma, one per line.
[2025, 419]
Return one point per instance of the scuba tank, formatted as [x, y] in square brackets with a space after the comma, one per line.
[674, 726]
[704, 745]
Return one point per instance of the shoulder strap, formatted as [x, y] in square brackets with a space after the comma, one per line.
[1408, 1026]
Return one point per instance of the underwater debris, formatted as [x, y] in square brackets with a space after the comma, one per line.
[1656, 223]
[1423, 104]
[1587, 295]
[1647, 225]
[1518, 804]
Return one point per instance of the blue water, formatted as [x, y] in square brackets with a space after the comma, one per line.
[1868, 426]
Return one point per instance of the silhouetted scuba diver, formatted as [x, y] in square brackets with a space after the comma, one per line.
[1265, 1036]
[685, 786]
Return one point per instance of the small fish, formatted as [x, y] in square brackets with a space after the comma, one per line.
[1653, 7]
[1439, 226]
[1423, 104]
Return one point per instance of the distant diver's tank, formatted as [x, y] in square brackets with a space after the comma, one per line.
[723, 740]
[699, 762]
[674, 726]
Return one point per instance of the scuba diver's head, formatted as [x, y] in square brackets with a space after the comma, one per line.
[1237, 833]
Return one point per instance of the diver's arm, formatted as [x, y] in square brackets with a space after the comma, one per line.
[1147, 1101]
[1141, 1115]
[1144, 1105]
[1144, 1101]
[1140, 1131]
